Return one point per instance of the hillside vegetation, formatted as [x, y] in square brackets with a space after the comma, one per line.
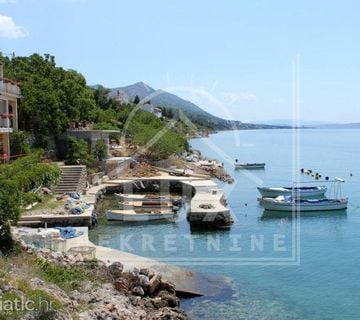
[53, 97]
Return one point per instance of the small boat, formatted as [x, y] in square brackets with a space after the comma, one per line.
[287, 203]
[147, 198]
[138, 215]
[160, 205]
[249, 165]
[297, 192]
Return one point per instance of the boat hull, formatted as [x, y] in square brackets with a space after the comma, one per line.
[316, 205]
[141, 197]
[137, 217]
[297, 193]
[149, 206]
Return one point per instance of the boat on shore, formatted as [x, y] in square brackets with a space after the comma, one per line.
[249, 165]
[160, 205]
[287, 203]
[296, 192]
[139, 215]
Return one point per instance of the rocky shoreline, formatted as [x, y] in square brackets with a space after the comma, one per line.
[138, 294]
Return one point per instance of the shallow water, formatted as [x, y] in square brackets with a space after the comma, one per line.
[320, 281]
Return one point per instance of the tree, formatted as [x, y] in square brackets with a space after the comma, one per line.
[19, 143]
[51, 96]
[100, 150]
[136, 99]
[78, 152]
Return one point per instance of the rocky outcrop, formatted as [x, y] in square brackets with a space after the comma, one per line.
[139, 294]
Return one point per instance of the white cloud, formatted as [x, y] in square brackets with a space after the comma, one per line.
[9, 29]
[231, 97]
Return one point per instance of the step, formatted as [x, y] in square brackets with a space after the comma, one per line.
[28, 223]
[29, 218]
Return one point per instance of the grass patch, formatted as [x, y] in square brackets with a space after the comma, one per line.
[67, 278]
[9, 306]
[44, 301]
[48, 202]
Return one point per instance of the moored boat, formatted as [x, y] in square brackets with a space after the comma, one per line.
[287, 203]
[160, 205]
[146, 197]
[249, 165]
[138, 215]
[297, 192]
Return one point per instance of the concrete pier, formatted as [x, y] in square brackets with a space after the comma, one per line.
[207, 205]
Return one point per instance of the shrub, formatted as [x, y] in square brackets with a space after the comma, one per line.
[78, 152]
[100, 150]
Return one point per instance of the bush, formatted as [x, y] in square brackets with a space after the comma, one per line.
[78, 152]
[100, 150]
[16, 181]
[19, 143]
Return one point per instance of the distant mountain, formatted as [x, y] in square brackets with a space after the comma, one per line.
[168, 100]
[310, 124]
[340, 126]
[289, 122]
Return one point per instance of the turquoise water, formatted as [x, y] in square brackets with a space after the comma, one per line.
[321, 281]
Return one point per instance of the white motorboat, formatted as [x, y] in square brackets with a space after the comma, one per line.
[249, 165]
[287, 203]
[138, 215]
[297, 192]
[160, 205]
[146, 197]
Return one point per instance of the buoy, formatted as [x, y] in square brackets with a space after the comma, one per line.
[350, 174]
[245, 204]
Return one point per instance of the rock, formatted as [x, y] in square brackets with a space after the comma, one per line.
[122, 285]
[151, 274]
[135, 300]
[143, 281]
[159, 303]
[45, 190]
[135, 272]
[168, 313]
[144, 271]
[110, 307]
[168, 286]
[138, 291]
[116, 269]
[171, 300]
[154, 283]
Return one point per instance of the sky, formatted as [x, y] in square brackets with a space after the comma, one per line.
[234, 58]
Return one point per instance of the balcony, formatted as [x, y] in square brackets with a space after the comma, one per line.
[8, 87]
[6, 122]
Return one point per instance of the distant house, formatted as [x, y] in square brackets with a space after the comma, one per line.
[9, 95]
[119, 96]
[149, 107]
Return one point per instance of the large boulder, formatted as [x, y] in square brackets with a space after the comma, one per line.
[116, 269]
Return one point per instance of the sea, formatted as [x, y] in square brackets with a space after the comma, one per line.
[280, 266]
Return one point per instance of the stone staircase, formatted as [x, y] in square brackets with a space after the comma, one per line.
[73, 178]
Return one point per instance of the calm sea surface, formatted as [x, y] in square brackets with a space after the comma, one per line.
[271, 278]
